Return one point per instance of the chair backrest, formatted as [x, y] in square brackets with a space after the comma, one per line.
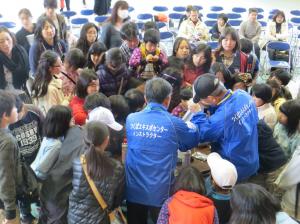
[101, 19]
[295, 20]
[145, 16]
[263, 23]
[79, 21]
[198, 7]
[160, 8]
[273, 11]
[130, 9]
[278, 45]
[213, 44]
[140, 25]
[239, 9]
[166, 35]
[216, 8]
[87, 12]
[68, 14]
[295, 12]
[235, 23]
[179, 9]
[260, 16]
[210, 23]
[212, 15]
[175, 15]
[233, 16]
[161, 25]
[260, 10]
[8, 25]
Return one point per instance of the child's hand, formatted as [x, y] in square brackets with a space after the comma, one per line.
[155, 58]
[149, 58]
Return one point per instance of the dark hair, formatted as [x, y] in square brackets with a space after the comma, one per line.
[251, 203]
[177, 63]
[228, 77]
[43, 76]
[82, 42]
[129, 31]
[98, 163]
[52, 4]
[279, 13]
[96, 48]
[7, 102]
[186, 93]
[190, 179]
[12, 35]
[253, 10]
[25, 11]
[114, 12]
[173, 76]
[206, 49]
[280, 91]
[135, 100]
[234, 35]
[75, 58]
[283, 75]
[119, 107]
[223, 16]
[57, 121]
[152, 36]
[246, 45]
[19, 103]
[114, 56]
[96, 100]
[262, 91]
[150, 25]
[189, 8]
[157, 90]
[39, 28]
[177, 44]
[86, 76]
[291, 109]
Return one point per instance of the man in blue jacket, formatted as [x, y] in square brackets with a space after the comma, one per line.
[232, 128]
[153, 136]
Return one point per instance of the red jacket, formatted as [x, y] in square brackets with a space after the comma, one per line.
[189, 74]
[190, 208]
[78, 112]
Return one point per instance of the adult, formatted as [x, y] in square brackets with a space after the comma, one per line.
[153, 137]
[251, 29]
[130, 36]
[14, 66]
[232, 128]
[27, 30]
[58, 20]
[218, 29]
[45, 38]
[88, 36]
[193, 28]
[101, 7]
[110, 34]
[187, 14]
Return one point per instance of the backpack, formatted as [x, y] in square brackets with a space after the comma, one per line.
[247, 63]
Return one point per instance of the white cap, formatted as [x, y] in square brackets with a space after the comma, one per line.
[104, 115]
[222, 171]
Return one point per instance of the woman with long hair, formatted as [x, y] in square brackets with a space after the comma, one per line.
[88, 36]
[181, 52]
[45, 38]
[95, 55]
[47, 87]
[110, 34]
[107, 174]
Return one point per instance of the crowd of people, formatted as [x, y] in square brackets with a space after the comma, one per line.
[91, 126]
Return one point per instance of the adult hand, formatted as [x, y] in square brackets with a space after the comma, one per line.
[10, 221]
[193, 107]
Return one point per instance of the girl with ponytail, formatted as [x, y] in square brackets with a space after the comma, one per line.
[107, 174]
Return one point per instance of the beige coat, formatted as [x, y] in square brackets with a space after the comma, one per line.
[271, 34]
[191, 31]
[54, 96]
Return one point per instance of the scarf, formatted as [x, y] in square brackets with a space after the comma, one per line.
[18, 65]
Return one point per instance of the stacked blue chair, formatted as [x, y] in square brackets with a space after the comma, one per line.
[239, 9]
[210, 23]
[160, 8]
[216, 8]
[68, 14]
[263, 23]
[101, 19]
[168, 39]
[161, 25]
[145, 17]
[79, 21]
[233, 16]
[295, 12]
[179, 9]
[260, 10]
[235, 23]
[175, 16]
[279, 46]
[260, 16]
[87, 12]
[8, 25]
[212, 15]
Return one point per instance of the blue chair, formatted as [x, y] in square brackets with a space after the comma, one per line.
[213, 44]
[212, 15]
[263, 23]
[216, 8]
[273, 11]
[161, 25]
[179, 9]
[198, 7]
[295, 12]
[101, 19]
[210, 23]
[280, 46]
[166, 35]
[295, 21]
[270, 16]
[239, 10]
[130, 9]
[79, 21]
[260, 10]
[235, 23]
[160, 8]
[145, 17]
[87, 12]
[8, 25]
[68, 14]
[175, 16]
[233, 16]
[260, 16]
[140, 25]
[167, 38]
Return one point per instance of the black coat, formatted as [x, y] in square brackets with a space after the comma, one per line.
[83, 206]
[101, 7]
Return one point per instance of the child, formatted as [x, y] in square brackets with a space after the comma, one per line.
[96, 100]
[242, 81]
[8, 157]
[95, 56]
[113, 75]
[57, 123]
[188, 204]
[73, 63]
[262, 96]
[185, 95]
[87, 84]
[148, 60]
[251, 203]
[219, 185]
[282, 76]
[135, 100]
[47, 87]
[119, 108]
[286, 131]
[107, 174]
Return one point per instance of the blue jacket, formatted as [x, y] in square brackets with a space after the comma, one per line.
[232, 130]
[153, 137]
